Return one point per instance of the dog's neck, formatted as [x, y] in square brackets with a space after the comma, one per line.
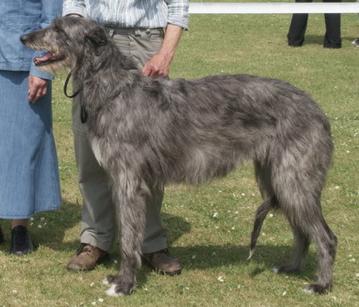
[106, 74]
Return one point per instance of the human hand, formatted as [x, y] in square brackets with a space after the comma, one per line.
[37, 88]
[158, 65]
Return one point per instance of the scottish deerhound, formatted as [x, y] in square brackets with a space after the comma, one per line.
[147, 131]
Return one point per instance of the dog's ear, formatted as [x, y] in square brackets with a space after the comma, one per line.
[97, 37]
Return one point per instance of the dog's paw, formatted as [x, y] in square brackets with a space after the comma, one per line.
[109, 280]
[119, 286]
[317, 289]
[119, 290]
[113, 291]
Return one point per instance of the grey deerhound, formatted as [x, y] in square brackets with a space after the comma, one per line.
[147, 132]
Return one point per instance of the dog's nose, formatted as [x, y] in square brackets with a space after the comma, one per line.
[23, 38]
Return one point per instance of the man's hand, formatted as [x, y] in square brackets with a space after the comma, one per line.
[159, 64]
[37, 88]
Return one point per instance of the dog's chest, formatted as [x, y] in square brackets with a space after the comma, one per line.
[96, 146]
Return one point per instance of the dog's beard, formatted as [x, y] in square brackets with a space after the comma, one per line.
[48, 58]
[50, 61]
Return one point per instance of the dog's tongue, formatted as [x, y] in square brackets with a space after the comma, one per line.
[43, 59]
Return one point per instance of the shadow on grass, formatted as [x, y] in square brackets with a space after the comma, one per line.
[200, 257]
[58, 222]
[319, 39]
[48, 228]
[222, 256]
[204, 257]
[267, 257]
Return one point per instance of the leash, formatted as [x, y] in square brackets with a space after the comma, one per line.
[66, 84]
[83, 113]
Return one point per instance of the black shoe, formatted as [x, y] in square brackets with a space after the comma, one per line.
[295, 42]
[332, 44]
[1, 236]
[21, 243]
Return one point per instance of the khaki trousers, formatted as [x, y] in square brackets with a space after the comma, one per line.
[98, 226]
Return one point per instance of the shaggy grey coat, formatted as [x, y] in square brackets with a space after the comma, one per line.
[147, 131]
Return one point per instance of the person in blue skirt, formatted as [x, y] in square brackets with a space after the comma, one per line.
[29, 180]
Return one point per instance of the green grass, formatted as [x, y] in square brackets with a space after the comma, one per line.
[213, 248]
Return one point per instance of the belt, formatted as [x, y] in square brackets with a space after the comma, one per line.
[135, 31]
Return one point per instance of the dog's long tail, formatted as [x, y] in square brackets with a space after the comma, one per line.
[261, 214]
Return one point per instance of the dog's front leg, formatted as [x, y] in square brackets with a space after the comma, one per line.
[130, 199]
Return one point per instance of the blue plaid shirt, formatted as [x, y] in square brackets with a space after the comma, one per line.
[131, 13]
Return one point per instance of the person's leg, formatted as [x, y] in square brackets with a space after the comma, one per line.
[1, 236]
[141, 45]
[21, 243]
[332, 37]
[297, 28]
[15, 223]
[28, 177]
[355, 42]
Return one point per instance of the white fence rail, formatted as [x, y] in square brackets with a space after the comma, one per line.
[271, 7]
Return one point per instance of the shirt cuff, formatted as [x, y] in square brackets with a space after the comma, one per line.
[36, 72]
[73, 9]
[181, 21]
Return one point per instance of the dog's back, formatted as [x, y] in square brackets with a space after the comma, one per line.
[211, 124]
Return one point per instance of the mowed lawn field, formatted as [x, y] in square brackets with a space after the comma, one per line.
[209, 226]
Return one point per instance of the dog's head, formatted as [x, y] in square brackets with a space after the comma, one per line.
[67, 40]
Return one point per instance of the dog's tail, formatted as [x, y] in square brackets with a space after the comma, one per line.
[261, 214]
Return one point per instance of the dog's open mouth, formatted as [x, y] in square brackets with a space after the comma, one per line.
[48, 58]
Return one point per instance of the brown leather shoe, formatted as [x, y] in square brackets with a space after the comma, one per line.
[162, 262]
[86, 258]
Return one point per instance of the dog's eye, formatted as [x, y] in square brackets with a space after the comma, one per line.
[59, 30]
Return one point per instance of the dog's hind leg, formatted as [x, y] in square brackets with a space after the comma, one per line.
[261, 214]
[300, 250]
[312, 226]
[299, 198]
[130, 200]
[264, 183]
[326, 243]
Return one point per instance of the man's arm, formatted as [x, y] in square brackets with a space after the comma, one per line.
[159, 64]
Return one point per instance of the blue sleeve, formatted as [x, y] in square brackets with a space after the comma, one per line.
[50, 10]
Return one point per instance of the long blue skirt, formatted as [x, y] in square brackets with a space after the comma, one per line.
[29, 179]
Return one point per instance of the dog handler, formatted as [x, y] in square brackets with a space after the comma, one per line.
[149, 32]
[29, 180]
